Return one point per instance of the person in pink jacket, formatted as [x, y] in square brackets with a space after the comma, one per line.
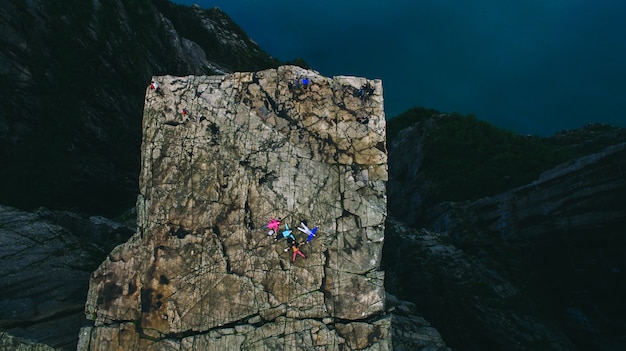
[272, 226]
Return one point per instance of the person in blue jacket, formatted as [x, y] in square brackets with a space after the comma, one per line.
[285, 234]
[307, 231]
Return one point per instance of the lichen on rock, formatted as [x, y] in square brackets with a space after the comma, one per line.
[201, 270]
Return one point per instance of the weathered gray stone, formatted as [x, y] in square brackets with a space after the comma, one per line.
[252, 147]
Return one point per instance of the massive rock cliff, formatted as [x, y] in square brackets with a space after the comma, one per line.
[200, 273]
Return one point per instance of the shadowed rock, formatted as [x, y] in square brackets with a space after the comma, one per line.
[540, 264]
[45, 260]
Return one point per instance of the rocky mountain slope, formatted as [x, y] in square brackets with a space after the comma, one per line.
[46, 258]
[537, 267]
[73, 77]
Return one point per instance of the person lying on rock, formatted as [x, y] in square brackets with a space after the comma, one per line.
[307, 231]
[294, 85]
[272, 226]
[295, 248]
[365, 91]
[299, 83]
[155, 86]
[305, 82]
[285, 234]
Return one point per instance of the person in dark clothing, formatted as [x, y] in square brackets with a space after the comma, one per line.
[155, 86]
[363, 119]
[365, 91]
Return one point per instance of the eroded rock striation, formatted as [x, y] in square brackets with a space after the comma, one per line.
[201, 273]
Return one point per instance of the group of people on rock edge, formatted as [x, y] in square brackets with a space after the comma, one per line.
[294, 245]
[365, 91]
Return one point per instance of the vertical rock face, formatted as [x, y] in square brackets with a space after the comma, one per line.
[540, 264]
[201, 273]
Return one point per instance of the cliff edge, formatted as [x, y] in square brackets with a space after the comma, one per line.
[201, 273]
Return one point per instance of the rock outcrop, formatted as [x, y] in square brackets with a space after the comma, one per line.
[45, 261]
[409, 194]
[410, 331]
[564, 233]
[201, 273]
[473, 302]
[575, 196]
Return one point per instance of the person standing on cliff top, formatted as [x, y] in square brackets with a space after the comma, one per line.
[155, 86]
[365, 91]
[363, 119]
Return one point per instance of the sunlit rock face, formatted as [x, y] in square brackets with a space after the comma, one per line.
[201, 272]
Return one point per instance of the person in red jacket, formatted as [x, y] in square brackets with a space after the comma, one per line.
[295, 249]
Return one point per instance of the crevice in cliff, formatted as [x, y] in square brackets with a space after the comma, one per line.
[217, 233]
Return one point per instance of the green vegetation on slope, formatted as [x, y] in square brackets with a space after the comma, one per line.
[465, 158]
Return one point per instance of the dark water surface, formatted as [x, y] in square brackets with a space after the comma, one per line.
[534, 67]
